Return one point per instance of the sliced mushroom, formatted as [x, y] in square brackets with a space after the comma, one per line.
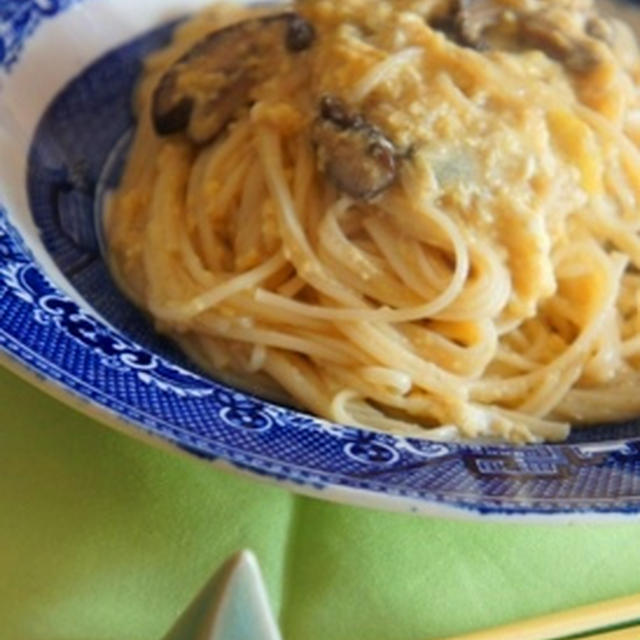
[468, 20]
[471, 21]
[577, 54]
[354, 154]
[207, 86]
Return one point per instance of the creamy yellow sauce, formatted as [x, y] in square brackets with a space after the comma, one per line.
[495, 141]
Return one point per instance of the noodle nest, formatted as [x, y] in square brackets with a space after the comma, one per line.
[416, 218]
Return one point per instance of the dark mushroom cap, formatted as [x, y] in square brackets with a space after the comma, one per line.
[473, 18]
[203, 90]
[354, 154]
[469, 22]
[578, 54]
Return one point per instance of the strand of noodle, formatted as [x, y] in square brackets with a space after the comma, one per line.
[306, 262]
[454, 95]
[395, 380]
[616, 231]
[368, 247]
[618, 402]
[518, 340]
[347, 408]
[424, 219]
[367, 277]
[163, 275]
[337, 314]
[338, 408]
[292, 287]
[388, 315]
[382, 395]
[515, 360]
[548, 430]
[550, 393]
[626, 199]
[563, 308]
[506, 326]
[542, 343]
[379, 291]
[233, 370]
[224, 359]
[628, 299]
[218, 293]
[245, 329]
[320, 197]
[393, 353]
[565, 269]
[427, 410]
[469, 361]
[387, 247]
[244, 303]
[189, 257]
[408, 253]
[410, 261]
[246, 220]
[492, 390]
[496, 80]
[488, 293]
[602, 125]
[372, 315]
[606, 361]
[221, 201]
[337, 245]
[232, 150]
[299, 380]
[257, 359]
[430, 265]
[192, 263]
[215, 157]
[303, 180]
[321, 347]
[438, 219]
[383, 72]
[196, 183]
[350, 219]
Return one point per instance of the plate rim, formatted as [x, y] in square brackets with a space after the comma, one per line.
[347, 496]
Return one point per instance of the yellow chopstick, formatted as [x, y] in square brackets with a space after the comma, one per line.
[632, 633]
[568, 623]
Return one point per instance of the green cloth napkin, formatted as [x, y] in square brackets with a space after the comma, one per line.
[103, 537]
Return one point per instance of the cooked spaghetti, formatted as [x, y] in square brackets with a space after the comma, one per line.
[420, 216]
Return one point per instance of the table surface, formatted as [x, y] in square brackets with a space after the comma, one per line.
[104, 537]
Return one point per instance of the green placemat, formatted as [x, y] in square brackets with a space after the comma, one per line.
[103, 537]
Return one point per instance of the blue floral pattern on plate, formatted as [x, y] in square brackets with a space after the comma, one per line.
[18, 20]
[111, 358]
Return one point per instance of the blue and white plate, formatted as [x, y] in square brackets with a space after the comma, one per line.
[67, 70]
